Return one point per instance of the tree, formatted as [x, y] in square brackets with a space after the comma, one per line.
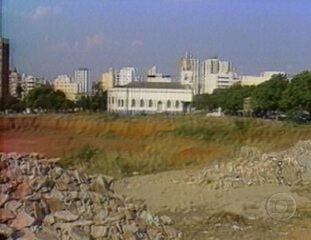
[297, 97]
[267, 96]
[45, 97]
[19, 90]
[230, 99]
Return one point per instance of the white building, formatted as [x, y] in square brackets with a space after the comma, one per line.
[15, 80]
[108, 79]
[251, 80]
[149, 97]
[189, 72]
[126, 75]
[30, 82]
[81, 77]
[154, 76]
[217, 74]
[66, 85]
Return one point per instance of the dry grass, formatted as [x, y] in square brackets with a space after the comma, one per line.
[153, 143]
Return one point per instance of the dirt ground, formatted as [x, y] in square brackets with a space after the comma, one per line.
[202, 213]
[198, 211]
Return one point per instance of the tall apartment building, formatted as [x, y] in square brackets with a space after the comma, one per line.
[108, 79]
[217, 74]
[125, 76]
[66, 85]
[81, 77]
[189, 72]
[4, 69]
[30, 82]
[15, 80]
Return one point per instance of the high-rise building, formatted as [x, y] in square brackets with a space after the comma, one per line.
[66, 85]
[81, 77]
[125, 76]
[108, 79]
[189, 72]
[15, 82]
[216, 73]
[4, 69]
[30, 82]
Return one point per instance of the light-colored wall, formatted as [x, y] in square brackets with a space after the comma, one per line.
[64, 84]
[251, 80]
[117, 95]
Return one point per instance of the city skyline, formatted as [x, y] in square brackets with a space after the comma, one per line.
[103, 33]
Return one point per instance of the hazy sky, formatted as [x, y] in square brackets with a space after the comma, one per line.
[51, 37]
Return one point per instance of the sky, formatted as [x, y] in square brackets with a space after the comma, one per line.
[52, 37]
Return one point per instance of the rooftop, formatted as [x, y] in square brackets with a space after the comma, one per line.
[167, 85]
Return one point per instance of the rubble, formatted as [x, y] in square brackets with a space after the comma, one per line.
[252, 167]
[41, 200]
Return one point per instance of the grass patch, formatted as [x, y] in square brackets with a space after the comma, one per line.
[120, 146]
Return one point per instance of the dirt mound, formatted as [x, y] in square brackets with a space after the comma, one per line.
[41, 200]
[253, 167]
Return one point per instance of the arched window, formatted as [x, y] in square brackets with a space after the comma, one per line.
[177, 104]
[150, 103]
[119, 102]
[133, 102]
[112, 100]
[168, 104]
[142, 103]
[122, 103]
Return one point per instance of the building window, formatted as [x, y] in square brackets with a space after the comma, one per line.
[112, 100]
[122, 103]
[150, 103]
[119, 102]
[168, 104]
[133, 102]
[141, 103]
[177, 104]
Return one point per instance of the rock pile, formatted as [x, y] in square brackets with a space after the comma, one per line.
[252, 167]
[41, 200]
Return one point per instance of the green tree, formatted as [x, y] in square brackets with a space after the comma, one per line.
[267, 96]
[297, 97]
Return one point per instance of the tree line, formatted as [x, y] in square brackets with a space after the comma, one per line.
[277, 94]
[45, 98]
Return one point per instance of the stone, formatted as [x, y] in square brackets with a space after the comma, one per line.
[5, 230]
[23, 190]
[6, 215]
[22, 220]
[55, 204]
[99, 231]
[45, 235]
[3, 198]
[40, 200]
[26, 234]
[78, 234]
[13, 205]
[66, 216]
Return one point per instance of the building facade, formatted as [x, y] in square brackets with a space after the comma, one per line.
[4, 69]
[149, 97]
[125, 76]
[81, 77]
[189, 72]
[108, 79]
[15, 82]
[217, 74]
[251, 80]
[66, 85]
[154, 76]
